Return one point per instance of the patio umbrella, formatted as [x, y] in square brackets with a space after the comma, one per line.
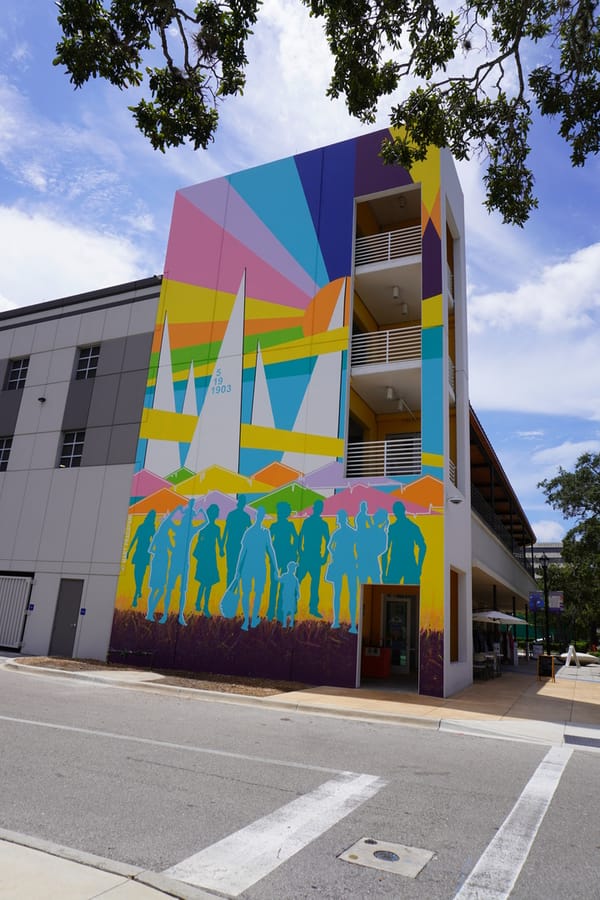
[496, 617]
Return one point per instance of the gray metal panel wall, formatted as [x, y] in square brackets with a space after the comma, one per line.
[10, 402]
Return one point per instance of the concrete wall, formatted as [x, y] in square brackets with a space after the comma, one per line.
[69, 522]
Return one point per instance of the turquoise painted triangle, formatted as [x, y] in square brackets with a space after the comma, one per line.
[276, 195]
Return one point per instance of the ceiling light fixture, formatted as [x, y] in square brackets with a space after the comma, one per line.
[404, 308]
[395, 292]
[389, 393]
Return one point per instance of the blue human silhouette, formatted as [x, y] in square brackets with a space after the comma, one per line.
[160, 551]
[289, 594]
[312, 553]
[140, 545]
[403, 561]
[285, 544]
[251, 569]
[343, 567]
[236, 524]
[178, 569]
[205, 554]
[371, 543]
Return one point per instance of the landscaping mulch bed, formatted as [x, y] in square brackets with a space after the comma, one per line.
[202, 681]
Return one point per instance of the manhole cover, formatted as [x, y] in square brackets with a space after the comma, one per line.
[395, 858]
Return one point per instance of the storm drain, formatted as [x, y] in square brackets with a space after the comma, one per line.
[395, 858]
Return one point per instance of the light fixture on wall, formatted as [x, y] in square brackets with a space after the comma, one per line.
[404, 308]
[389, 393]
[396, 293]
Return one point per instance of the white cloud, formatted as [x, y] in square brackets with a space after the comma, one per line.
[548, 531]
[565, 297]
[565, 454]
[50, 259]
[536, 348]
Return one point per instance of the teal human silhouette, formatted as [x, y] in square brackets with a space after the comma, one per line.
[140, 545]
[236, 524]
[205, 554]
[251, 569]
[403, 561]
[371, 543]
[289, 594]
[180, 554]
[312, 553]
[343, 567]
[160, 551]
[285, 544]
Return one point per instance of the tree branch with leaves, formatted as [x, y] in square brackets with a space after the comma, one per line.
[511, 58]
[576, 495]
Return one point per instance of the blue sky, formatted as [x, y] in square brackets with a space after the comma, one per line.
[85, 202]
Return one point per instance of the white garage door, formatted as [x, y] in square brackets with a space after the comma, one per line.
[14, 597]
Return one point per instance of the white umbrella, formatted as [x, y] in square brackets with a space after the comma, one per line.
[496, 617]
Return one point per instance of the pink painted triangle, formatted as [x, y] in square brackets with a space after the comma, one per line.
[200, 252]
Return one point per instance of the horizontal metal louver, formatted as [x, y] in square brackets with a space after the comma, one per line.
[14, 597]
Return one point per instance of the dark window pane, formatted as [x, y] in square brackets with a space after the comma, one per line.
[5, 447]
[17, 373]
[87, 363]
[72, 449]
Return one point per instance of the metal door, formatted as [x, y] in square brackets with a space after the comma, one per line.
[65, 617]
[397, 632]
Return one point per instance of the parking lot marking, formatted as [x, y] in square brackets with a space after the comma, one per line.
[496, 873]
[241, 859]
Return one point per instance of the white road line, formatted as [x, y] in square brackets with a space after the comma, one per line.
[494, 876]
[285, 763]
[241, 859]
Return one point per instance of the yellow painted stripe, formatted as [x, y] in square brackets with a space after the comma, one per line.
[433, 312]
[432, 459]
[327, 342]
[191, 303]
[167, 426]
[259, 438]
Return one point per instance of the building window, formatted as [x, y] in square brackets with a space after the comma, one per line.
[87, 363]
[72, 449]
[17, 373]
[5, 445]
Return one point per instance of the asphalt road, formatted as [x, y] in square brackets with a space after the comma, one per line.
[158, 781]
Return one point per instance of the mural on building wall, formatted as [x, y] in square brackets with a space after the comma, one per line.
[246, 546]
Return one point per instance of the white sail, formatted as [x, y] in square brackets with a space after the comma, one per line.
[162, 456]
[216, 439]
[190, 406]
[262, 410]
[319, 411]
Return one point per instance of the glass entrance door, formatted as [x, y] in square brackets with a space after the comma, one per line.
[397, 632]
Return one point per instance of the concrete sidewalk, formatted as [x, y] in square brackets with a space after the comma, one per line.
[32, 869]
[516, 706]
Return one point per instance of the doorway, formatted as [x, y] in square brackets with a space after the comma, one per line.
[397, 631]
[65, 617]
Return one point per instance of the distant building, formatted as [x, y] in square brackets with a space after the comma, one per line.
[272, 465]
[552, 551]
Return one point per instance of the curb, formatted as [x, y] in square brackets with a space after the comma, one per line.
[232, 698]
[536, 731]
[155, 880]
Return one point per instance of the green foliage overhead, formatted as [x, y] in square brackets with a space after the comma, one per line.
[510, 59]
[577, 495]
